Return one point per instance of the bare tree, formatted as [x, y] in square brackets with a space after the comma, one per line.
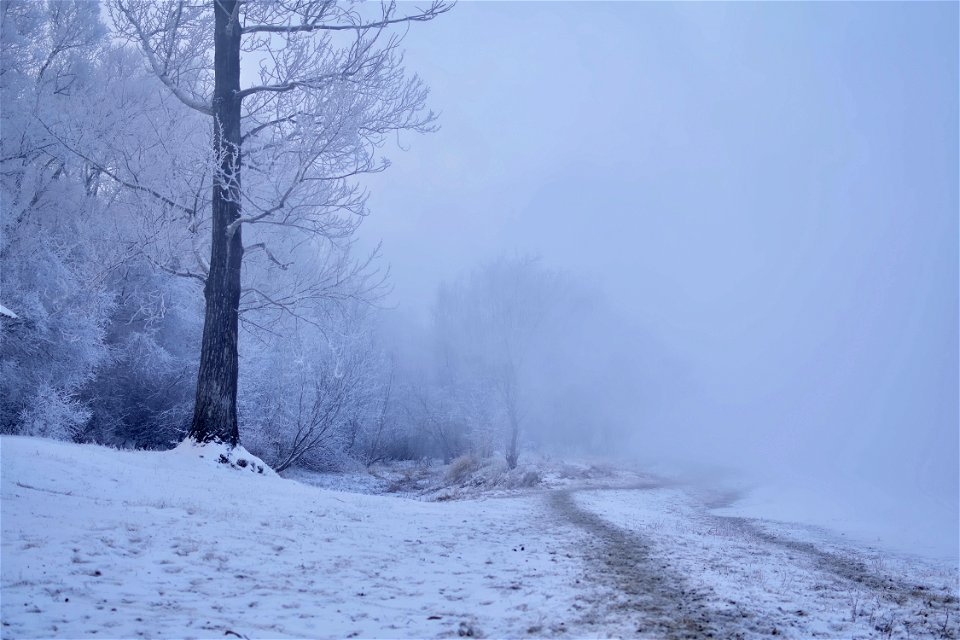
[487, 324]
[329, 87]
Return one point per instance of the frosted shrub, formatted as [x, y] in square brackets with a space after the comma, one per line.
[461, 468]
[52, 413]
[56, 344]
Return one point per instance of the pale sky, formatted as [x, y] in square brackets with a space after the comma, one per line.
[769, 192]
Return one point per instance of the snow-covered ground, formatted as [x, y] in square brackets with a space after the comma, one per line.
[134, 544]
[765, 578]
[912, 521]
[103, 543]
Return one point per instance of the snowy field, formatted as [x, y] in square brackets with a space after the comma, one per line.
[102, 543]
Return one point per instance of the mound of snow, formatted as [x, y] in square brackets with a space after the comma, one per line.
[221, 454]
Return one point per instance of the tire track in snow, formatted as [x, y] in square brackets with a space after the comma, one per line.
[667, 606]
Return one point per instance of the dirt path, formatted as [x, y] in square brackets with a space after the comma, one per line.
[661, 579]
[666, 605]
[929, 606]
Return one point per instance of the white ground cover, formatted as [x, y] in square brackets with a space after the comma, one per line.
[784, 579]
[105, 543]
[912, 519]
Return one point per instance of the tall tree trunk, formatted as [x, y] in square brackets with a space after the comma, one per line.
[215, 412]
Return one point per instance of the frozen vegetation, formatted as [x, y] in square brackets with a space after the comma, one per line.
[106, 543]
[657, 337]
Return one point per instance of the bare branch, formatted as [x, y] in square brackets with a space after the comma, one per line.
[438, 7]
[159, 69]
[273, 259]
[175, 272]
[308, 83]
[113, 176]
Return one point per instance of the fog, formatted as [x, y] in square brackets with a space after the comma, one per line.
[479, 319]
[765, 198]
[716, 242]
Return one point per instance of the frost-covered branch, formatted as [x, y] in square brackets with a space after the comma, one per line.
[325, 15]
[154, 37]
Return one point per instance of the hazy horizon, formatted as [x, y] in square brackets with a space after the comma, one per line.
[766, 194]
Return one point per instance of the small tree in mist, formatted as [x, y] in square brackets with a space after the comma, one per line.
[486, 325]
[330, 87]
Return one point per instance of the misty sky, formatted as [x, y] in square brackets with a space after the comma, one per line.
[768, 193]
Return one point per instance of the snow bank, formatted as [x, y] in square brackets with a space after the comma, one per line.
[104, 543]
[216, 453]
